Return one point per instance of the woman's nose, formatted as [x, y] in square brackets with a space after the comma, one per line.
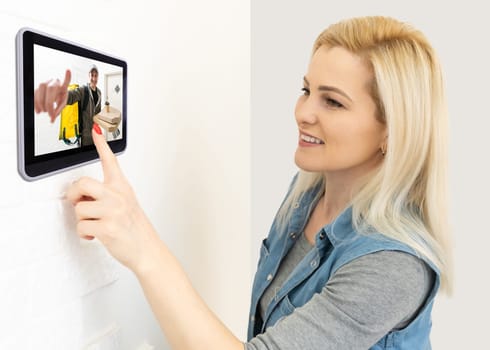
[305, 111]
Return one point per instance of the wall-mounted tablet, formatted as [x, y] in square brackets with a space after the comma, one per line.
[97, 93]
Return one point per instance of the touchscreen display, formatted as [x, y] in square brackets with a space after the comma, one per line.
[96, 89]
[96, 93]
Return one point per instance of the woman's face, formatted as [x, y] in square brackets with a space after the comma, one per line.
[336, 116]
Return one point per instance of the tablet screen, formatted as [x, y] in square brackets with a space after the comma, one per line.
[97, 93]
[65, 132]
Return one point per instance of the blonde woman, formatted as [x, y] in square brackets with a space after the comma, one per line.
[359, 247]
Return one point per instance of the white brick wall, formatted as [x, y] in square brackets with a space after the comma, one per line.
[45, 268]
[60, 292]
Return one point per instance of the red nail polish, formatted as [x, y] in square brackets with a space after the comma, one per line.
[97, 129]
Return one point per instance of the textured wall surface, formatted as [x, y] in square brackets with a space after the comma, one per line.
[187, 158]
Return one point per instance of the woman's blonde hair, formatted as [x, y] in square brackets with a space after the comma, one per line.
[405, 198]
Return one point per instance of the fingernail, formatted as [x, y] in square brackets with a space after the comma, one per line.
[97, 129]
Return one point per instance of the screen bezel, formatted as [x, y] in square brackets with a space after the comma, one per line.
[30, 166]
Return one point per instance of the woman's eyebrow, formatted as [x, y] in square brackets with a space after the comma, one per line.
[329, 88]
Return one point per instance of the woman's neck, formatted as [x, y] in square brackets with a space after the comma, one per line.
[341, 186]
[337, 196]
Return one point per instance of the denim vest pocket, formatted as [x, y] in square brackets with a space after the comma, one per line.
[286, 306]
[284, 309]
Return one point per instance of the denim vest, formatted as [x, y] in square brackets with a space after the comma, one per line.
[336, 244]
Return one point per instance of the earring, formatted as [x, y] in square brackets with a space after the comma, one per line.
[383, 150]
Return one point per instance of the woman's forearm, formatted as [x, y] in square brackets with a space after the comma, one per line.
[185, 319]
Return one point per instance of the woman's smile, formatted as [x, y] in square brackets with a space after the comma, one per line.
[306, 140]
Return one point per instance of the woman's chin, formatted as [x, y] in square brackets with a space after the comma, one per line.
[306, 165]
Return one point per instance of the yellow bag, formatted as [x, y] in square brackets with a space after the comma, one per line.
[69, 123]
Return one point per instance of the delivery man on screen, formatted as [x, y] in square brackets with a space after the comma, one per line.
[88, 97]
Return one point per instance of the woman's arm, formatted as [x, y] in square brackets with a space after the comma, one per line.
[184, 317]
[109, 211]
[363, 301]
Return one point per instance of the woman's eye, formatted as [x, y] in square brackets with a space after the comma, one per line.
[333, 103]
[329, 101]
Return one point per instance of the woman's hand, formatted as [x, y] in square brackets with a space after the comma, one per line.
[51, 96]
[109, 211]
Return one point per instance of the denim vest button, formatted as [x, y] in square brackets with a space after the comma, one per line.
[252, 319]
[322, 235]
[292, 235]
[269, 277]
[296, 205]
[313, 263]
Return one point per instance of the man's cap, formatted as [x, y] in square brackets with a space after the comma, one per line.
[93, 67]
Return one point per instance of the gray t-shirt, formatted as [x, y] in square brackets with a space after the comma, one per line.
[361, 302]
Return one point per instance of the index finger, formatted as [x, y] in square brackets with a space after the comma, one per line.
[110, 165]
[67, 80]
[62, 95]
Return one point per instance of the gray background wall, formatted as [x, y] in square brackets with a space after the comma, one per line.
[283, 33]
